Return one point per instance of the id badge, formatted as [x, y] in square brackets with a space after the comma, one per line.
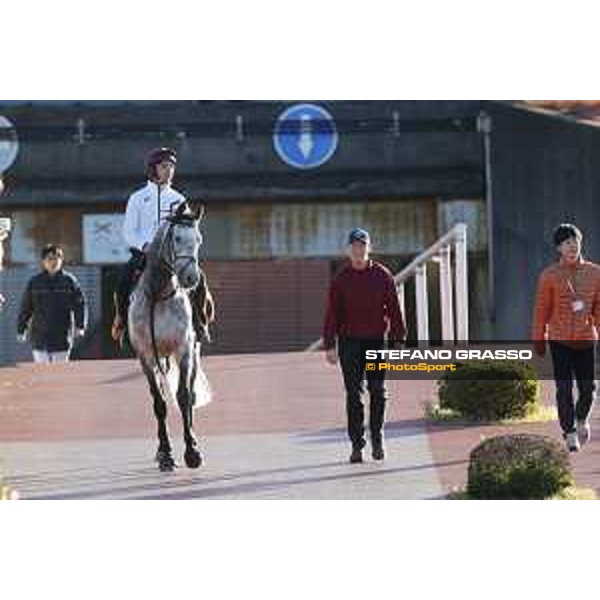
[578, 305]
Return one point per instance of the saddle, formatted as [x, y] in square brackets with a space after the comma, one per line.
[203, 307]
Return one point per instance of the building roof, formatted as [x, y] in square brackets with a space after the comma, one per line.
[580, 110]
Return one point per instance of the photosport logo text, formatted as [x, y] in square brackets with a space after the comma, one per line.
[427, 367]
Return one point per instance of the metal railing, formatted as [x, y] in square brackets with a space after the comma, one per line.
[453, 329]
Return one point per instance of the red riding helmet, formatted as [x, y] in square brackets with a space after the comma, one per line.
[157, 156]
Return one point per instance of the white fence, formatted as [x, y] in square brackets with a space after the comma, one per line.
[454, 286]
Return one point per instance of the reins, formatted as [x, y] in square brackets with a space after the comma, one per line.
[169, 267]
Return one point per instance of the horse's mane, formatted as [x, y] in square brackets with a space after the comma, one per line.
[158, 274]
[157, 245]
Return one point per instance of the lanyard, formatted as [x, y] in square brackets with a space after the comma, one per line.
[573, 285]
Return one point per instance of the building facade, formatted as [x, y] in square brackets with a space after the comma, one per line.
[274, 230]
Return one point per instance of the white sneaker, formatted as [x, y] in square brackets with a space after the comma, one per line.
[572, 442]
[584, 432]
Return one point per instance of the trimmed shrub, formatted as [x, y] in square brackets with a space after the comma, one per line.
[518, 466]
[490, 390]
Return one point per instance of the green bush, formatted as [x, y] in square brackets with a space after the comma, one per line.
[518, 466]
[490, 390]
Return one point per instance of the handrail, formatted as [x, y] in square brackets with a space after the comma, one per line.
[459, 229]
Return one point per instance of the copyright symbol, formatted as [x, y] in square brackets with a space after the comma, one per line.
[370, 366]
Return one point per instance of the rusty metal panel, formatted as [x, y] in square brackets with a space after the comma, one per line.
[35, 228]
[319, 229]
[250, 231]
[254, 231]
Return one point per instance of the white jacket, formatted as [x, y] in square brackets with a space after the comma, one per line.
[144, 215]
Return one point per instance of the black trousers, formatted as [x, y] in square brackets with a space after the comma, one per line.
[352, 361]
[569, 363]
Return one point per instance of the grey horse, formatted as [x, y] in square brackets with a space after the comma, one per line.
[162, 333]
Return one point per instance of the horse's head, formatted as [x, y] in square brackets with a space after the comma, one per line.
[185, 240]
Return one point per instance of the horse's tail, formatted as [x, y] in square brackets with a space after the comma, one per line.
[168, 379]
[202, 391]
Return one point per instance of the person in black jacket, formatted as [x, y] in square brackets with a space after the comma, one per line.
[53, 308]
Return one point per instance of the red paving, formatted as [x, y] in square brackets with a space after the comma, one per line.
[265, 393]
[451, 444]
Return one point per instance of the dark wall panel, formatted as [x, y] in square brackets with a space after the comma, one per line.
[385, 148]
[545, 171]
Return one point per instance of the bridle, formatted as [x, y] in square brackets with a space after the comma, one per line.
[168, 260]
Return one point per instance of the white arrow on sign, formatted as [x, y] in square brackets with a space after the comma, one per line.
[306, 142]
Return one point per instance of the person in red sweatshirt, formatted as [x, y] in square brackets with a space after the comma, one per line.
[362, 308]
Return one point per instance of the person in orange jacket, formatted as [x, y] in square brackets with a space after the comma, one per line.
[567, 315]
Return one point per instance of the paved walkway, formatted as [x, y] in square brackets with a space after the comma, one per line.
[275, 430]
[252, 466]
[86, 430]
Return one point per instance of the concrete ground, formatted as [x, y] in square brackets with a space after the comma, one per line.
[276, 430]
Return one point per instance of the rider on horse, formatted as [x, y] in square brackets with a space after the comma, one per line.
[146, 209]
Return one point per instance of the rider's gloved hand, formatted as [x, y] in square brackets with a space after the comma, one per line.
[139, 258]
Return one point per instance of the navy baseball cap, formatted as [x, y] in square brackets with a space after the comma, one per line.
[359, 235]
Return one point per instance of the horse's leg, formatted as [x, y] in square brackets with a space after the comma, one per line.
[192, 456]
[164, 454]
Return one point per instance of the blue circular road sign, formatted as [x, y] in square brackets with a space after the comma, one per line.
[305, 136]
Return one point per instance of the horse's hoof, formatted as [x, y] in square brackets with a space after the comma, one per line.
[193, 458]
[165, 461]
